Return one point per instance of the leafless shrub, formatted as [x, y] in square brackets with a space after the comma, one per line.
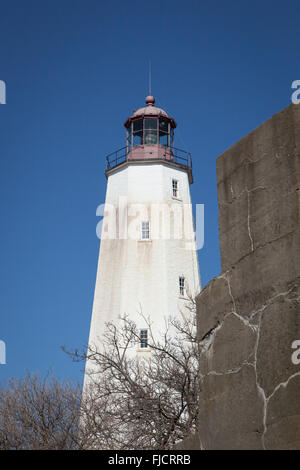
[133, 403]
[38, 413]
[130, 402]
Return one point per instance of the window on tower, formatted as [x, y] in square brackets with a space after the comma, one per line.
[145, 228]
[175, 188]
[182, 285]
[143, 339]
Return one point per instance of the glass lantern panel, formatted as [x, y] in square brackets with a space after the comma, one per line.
[163, 139]
[150, 137]
[137, 138]
[137, 125]
[163, 125]
[150, 123]
[128, 137]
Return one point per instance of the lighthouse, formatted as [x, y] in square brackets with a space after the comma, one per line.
[148, 265]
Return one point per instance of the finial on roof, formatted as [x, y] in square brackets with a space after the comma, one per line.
[150, 100]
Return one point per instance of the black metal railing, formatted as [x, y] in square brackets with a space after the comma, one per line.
[116, 158]
[181, 157]
[175, 155]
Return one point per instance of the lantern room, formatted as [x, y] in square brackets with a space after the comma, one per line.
[150, 136]
[149, 126]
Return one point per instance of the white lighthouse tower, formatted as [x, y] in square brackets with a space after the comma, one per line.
[148, 261]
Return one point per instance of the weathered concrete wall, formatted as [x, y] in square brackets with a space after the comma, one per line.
[249, 316]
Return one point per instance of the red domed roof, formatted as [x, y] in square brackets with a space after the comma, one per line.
[150, 110]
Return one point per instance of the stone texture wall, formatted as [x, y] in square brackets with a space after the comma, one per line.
[249, 316]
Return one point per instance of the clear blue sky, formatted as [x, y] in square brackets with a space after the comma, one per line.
[75, 69]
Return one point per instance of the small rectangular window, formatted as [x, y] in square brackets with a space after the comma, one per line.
[181, 285]
[144, 339]
[175, 188]
[145, 230]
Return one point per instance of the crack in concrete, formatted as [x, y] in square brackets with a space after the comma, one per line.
[294, 299]
[208, 340]
[230, 293]
[269, 301]
[260, 390]
[225, 276]
[231, 189]
[248, 221]
[234, 312]
[234, 198]
[256, 329]
[266, 403]
[282, 384]
[259, 247]
[231, 371]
